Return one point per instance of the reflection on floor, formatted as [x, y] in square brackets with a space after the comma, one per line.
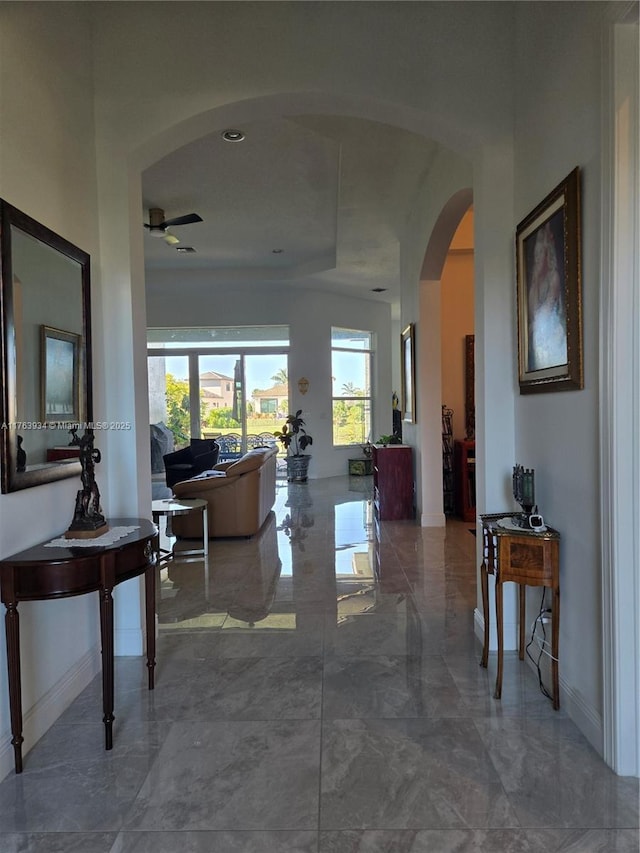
[318, 689]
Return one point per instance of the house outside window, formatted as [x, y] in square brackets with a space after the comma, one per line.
[351, 371]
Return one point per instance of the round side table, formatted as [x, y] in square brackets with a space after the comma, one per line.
[181, 506]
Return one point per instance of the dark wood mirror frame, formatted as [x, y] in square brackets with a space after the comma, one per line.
[12, 478]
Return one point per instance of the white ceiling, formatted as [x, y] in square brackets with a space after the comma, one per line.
[333, 193]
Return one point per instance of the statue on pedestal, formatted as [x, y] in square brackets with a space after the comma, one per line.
[88, 520]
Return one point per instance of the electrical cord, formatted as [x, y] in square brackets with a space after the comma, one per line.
[541, 645]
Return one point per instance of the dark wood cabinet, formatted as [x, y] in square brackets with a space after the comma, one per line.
[57, 454]
[393, 481]
[465, 468]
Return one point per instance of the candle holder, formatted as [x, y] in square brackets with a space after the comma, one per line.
[524, 491]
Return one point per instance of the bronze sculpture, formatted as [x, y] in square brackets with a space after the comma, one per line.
[88, 520]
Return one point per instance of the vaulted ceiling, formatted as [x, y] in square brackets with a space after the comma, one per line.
[317, 201]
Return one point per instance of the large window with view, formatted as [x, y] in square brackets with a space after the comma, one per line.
[351, 370]
[227, 383]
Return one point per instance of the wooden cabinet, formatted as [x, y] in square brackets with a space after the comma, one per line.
[393, 481]
[465, 468]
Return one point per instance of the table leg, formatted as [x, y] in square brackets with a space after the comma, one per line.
[156, 521]
[12, 629]
[150, 619]
[498, 691]
[205, 530]
[106, 635]
[555, 646]
[484, 583]
[522, 596]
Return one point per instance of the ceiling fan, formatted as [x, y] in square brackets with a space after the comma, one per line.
[158, 226]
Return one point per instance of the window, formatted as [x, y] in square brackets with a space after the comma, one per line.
[268, 406]
[351, 358]
[208, 382]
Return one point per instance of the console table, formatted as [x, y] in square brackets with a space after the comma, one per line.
[528, 558]
[43, 573]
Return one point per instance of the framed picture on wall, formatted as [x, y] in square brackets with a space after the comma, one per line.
[408, 363]
[550, 293]
[60, 374]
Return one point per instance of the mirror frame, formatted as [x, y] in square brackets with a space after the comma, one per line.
[13, 480]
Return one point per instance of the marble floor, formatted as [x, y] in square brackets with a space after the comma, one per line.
[318, 691]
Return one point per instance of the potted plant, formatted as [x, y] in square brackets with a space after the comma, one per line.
[384, 440]
[295, 439]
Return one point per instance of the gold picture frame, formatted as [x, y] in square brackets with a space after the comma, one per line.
[60, 374]
[549, 291]
[408, 364]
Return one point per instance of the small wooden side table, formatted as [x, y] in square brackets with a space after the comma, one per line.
[528, 558]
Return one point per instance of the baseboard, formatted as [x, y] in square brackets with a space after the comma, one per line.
[586, 718]
[510, 632]
[434, 519]
[129, 641]
[39, 718]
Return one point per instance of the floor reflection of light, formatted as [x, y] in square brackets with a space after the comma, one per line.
[273, 622]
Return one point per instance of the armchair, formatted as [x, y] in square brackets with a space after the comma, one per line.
[201, 455]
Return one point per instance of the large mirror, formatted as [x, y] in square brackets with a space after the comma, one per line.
[46, 352]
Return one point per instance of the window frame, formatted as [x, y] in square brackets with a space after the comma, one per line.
[366, 351]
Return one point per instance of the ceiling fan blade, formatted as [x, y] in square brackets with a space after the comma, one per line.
[187, 219]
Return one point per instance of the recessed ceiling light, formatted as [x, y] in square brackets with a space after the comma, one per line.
[378, 290]
[186, 250]
[277, 251]
[232, 135]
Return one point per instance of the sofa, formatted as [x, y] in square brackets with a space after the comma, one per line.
[240, 495]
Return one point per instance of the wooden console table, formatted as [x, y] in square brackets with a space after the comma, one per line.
[529, 559]
[43, 573]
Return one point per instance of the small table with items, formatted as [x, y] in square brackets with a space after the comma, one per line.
[181, 506]
[529, 558]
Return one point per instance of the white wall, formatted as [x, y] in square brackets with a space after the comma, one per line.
[557, 127]
[47, 169]
[310, 316]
